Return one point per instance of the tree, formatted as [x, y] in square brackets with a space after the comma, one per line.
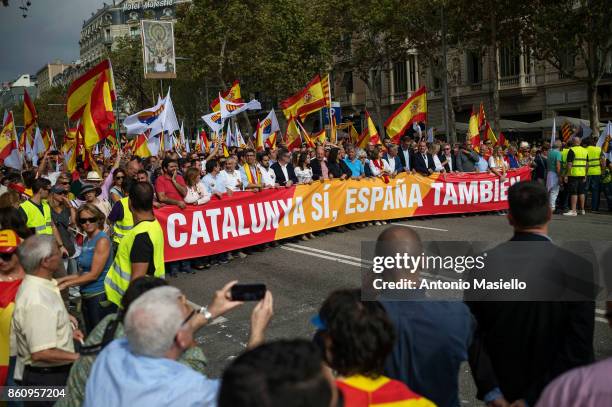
[372, 37]
[564, 31]
[272, 47]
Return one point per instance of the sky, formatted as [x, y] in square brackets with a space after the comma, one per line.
[50, 32]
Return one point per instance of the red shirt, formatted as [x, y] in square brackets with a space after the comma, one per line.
[164, 184]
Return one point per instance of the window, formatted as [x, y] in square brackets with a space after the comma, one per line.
[413, 79]
[474, 67]
[347, 82]
[400, 77]
[509, 59]
[568, 61]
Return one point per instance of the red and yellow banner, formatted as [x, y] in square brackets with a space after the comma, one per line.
[251, 218]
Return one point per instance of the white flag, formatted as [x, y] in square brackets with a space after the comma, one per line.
[214, 121]
[239, 140]
[38, 147]
[269, 125]
[168, 121]
[153, 142]
[142, 121]
[586, 131]
[553, 136]
[602, 137]
[14, 159]
[430, 136]
[229, 109]
[229, 137]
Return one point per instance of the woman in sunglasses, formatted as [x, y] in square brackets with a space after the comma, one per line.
[117, 192]
[95, 260]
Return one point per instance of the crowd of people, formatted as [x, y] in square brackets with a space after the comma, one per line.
[92, 238]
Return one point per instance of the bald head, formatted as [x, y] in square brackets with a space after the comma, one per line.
[398, 239]
[576, 141]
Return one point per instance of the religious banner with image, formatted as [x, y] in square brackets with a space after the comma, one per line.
[158, 49]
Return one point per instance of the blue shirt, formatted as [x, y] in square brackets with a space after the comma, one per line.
[85, 260]
[482, 164]
[122, 378]
[512, 161]
[213, 184]
[432, 341]
[356, 167]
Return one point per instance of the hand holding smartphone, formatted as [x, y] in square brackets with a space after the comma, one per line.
[248, 292]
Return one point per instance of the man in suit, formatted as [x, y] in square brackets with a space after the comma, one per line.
[394, 163]
[405, 153]
[283, 169]
[423, 161]
[448, 159]
[546, 329]
[319, 165]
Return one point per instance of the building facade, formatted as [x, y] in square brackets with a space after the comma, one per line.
[529, 90]
[12, 93]
[47, 73]
[122, 18]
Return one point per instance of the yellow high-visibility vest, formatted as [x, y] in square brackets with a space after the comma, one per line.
[124, 225]
[594, 155]
[579, 164]
[40, 222]
[120, 273]
[564, 160]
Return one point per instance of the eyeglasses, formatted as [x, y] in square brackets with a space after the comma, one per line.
[83, 221]
[118, 178]
[6, 256]
[186, 320]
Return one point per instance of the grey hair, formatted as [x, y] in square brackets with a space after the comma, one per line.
[34, 250]
[153, 320]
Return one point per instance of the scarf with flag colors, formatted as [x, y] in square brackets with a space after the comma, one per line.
[253, 174]
[8, 291]
[361, 391]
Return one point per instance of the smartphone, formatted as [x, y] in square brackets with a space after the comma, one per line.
[248, 292]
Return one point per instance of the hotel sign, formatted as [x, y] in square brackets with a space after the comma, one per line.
[137, 5]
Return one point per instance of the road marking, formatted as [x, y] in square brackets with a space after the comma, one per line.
[356, 261]
[323, 256]
[419, 227]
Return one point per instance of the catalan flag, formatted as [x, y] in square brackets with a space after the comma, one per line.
[412, 110]
[482, 118]
[30, 118]
[325, 82]
[380, 392]
[79, 93]
[308, 100]
[98, 113]
[566, 131]
[232, 94]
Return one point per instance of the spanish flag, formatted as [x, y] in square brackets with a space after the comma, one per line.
[293, 139]
[7, 136]
[232, 94]
[225, 150]
[30, 117]
[79, 93]
[482, 118]
[319, 137]
[369, 134]
[8, 291]
[413, 110]
[473, 131]
[141, 148]
[501, 140]
[98, 114]
[308, 100]
[259, 141]
[203, 142]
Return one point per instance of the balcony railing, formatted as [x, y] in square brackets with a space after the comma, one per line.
[510, 81]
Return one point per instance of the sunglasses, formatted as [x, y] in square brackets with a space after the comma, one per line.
[118, 178]
[83, 221]
[6, 256]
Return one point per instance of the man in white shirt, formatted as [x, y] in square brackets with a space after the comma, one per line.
[212, 181]
[231, 177]
[268, 178]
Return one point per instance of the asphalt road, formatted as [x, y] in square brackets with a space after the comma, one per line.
[300, 275]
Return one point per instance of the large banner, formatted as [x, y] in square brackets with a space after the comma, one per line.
[249, 218]
[158, 49]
